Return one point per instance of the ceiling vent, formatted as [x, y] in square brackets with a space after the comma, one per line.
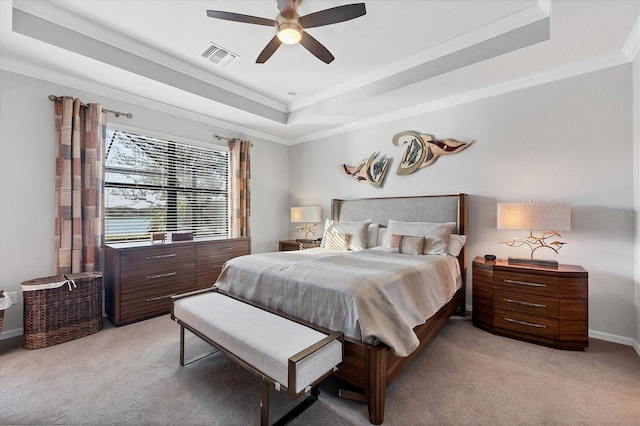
[218, 55]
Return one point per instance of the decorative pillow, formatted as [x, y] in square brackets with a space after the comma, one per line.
[337, 241]
[436, 234]
[382, 234]
[372, 235]
[406, 244]
[456, 242]
[358, 231]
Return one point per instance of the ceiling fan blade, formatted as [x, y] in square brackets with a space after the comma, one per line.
[238, 17]
[286, 8]
[268, 50]
[333, 15]
[316, 48]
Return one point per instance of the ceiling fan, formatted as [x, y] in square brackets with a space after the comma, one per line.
[290, 27]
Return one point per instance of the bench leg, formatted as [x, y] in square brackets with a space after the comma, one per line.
[264, 404]
[182, 345]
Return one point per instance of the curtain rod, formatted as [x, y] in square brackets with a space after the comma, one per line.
[228, 139]
[116, 113]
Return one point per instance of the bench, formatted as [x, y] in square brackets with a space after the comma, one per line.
[291, 356]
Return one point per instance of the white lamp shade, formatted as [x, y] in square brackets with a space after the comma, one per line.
[306, 214]
[534, 216]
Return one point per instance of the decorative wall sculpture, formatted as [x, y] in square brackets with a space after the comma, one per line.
[372, 170]
[423, 150]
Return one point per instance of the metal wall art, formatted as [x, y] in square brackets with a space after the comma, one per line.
[423, 150]
[372, 170]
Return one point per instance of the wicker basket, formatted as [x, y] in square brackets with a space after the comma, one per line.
[57, 311]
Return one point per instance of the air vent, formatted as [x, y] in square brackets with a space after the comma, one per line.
[218, 55]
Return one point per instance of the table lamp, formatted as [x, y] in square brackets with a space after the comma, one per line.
[309, 216]
[548, 218]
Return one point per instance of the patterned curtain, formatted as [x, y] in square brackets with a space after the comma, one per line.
[79, 220]
[240, 171]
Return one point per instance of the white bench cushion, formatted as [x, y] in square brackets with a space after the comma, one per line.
[263, 340]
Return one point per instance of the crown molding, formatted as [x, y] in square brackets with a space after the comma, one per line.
[559, 73]
[632, 44]
[505, 25]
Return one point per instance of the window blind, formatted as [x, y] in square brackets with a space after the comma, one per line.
[158, 185]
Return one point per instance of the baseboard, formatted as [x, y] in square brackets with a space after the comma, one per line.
[627, 341]
[8, 334]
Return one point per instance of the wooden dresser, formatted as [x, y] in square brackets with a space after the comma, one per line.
[543, 305]
[140, 277]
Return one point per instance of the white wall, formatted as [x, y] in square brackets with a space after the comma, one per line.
[27, 185]
[636, 159]
[570, 140]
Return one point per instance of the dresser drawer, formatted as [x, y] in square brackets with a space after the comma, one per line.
[211, 258]
[526, 303]
[526, 283]
[177, 275]
[142, 301]
[161, 259]
[521, 322]
[216, 254]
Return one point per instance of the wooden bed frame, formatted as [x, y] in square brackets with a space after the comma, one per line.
[373, 368]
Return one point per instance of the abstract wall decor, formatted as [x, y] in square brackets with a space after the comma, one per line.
[423, 150]
[372, 170]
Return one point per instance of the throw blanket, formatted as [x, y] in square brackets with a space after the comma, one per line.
[370, 295]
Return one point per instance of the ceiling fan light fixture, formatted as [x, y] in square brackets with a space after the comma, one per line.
[289, 26]
[289, 33]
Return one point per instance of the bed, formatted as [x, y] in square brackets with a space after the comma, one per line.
[357, 292]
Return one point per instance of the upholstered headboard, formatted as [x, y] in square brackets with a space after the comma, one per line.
[428, 208]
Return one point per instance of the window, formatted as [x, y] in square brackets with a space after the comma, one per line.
[158, 185]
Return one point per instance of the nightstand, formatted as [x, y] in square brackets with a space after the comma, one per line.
[547, 306]
[291, 245]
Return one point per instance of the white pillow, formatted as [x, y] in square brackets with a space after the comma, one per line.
[436, 234]
[358, 231]
[456, 242]
[372, 235]
[336, 240]
[382, 232]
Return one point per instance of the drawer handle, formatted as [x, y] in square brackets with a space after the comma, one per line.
[525, 283]
[520, 302]
[530, 324]
[161, 256]
[152, 299]
[226, 249]
[161, 275]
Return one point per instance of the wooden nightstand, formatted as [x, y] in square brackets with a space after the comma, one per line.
[291, 245]
[547, 306]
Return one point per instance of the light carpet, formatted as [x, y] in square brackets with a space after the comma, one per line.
[130, 375]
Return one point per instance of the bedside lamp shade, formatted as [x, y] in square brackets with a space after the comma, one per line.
[305, 214]
[534, 216]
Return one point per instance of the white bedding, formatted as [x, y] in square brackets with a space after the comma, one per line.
[370, 295]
